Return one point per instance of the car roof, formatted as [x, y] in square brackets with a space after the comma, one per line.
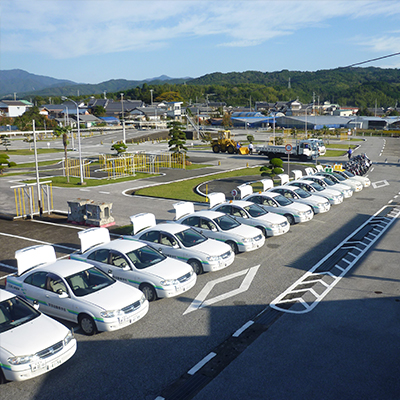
[62, 267]
[267, 194]
[122, 245]
[240, 203]
[207, 213]
[285, 187]
[5, 295]
[167, 227]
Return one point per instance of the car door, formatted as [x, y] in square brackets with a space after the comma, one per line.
[210, 229]
[34, 287]
[122, 269]
[58, 297]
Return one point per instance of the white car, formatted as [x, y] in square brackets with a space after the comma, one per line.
[362, 179]
[337, 178]
[31, 343]
[136, 264]
[275, 202]
[346, 191]
[75, 291]
[333, 196]
[183, 243]
[221, 227]
[298, 195]
[246, 212]
[320, 144]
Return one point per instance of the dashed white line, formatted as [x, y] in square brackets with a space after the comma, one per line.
[243, 328]
[201, 363]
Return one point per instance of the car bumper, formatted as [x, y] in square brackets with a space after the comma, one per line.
[31, 370]
[118, 323]
[177, 290]
[245, 247]
[281, 230]
[303, 218]
[216, 266]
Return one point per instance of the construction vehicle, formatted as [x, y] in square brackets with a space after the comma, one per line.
[224, 143]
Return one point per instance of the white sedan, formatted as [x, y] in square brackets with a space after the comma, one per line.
[221, 227]
[333, 196]
[337, 178]
[275, 202]
[346, 191]
[74, 291]
[183, 243]
[317, 203]
[136, 264]
[246, 212]
[362, 179]
[31, 343]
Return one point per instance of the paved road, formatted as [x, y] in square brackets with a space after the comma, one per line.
[314, 355]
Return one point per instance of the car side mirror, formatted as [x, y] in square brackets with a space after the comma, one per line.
[35, 304]
[62, 294]
[214, 229]
[126, 268]
[110, 272]
[176, 246]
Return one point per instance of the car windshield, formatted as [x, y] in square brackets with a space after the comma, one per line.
[226, 223]
[348, 173]
[282, 200]
[89, 281]
[332, 178]
[302, 193]
[328, 181]
[255, 210]
[317, 186]
[190, 237]
[338, 176]
[15, 312]
[145, 257]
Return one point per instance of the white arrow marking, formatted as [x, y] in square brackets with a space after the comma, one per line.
[200, 302]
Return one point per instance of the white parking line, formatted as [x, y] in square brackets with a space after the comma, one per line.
[243, 328]
[37, 241]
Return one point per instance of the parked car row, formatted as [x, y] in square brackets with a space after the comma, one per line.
[108, 284]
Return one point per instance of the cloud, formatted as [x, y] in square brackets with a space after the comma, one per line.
[70, 29]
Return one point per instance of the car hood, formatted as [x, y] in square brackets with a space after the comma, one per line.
[114, 297]
[169, 269]
[212, 247]
[271, 218]
[296, 207]
[244, 231]
[329, 192]
[33, 336]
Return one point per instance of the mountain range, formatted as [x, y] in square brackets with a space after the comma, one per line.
[24, 84]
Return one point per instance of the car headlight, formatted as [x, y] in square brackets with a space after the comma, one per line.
[247, 240]
[19, 360]
[169, 282]
[68, 338]
[275, 226]
[110, 313]
[213, 258]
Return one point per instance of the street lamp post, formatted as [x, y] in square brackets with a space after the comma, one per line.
[123, 119]
[79, 138]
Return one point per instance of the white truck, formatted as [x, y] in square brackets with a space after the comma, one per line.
[303, 149]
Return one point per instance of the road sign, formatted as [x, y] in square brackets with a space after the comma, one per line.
[288, 148]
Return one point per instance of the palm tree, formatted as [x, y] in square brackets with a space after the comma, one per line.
[63, 131]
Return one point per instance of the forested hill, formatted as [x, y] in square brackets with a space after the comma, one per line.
[346, 86]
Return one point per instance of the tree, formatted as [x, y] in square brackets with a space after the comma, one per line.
[63, 131]
[120, 147]
[5, 141]
[169, 96]
[178, 138]
[226, 120]
[3, 161]
[99, 111]
[29, 139]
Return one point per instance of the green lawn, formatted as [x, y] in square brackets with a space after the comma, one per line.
[185, 190]
[27, 152]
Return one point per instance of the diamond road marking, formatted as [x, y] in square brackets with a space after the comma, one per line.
[380, 184]
[200, 301]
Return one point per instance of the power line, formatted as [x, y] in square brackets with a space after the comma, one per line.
[373, 59]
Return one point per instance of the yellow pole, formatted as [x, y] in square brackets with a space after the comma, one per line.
[16, 201]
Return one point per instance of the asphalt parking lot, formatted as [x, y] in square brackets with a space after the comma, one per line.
[346, 347]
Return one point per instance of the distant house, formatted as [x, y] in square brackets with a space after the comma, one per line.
[88, 120]
[14, 108]
[148, 113]
[174, 109]
[115, 108]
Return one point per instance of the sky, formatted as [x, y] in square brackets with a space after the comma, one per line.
[92, 41]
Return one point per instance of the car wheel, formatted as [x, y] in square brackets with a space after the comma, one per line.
[263, 230]
[231, 150]
[196, 265]
[148, 291]
[215, 148]
[2, 377]
[87, 324]
[234, 246]
[290, 218]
